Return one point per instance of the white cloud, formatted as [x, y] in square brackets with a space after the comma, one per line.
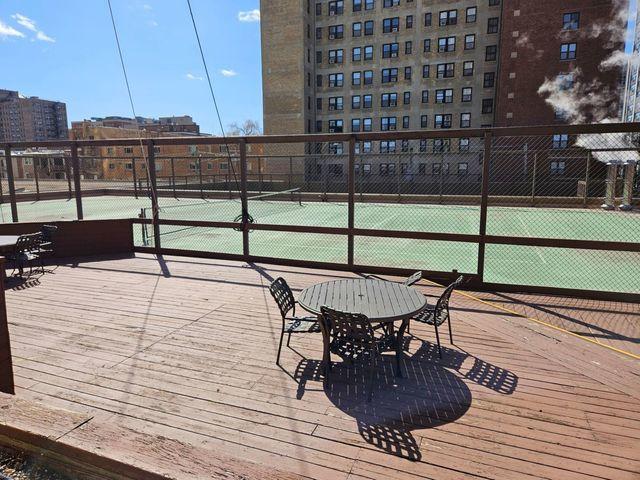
[26, 22]
[191, 76]
[44, 37]
[147, 7]
[228, 72]
[249, 16]
[7, 31]
[153, 23]
[30, 24]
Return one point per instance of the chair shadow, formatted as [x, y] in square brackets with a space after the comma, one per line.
[19, 283]
[481, 372]
[428, 395]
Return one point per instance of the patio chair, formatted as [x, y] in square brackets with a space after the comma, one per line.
[47, 238]
[283, 296]
[439, 314]
[25, 252]
[354, 338]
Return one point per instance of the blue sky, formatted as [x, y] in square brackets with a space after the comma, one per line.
[65, 50]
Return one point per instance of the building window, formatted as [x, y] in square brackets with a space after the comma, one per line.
[467, 94]
[112, 166]
[426, 45]
[405, 122]
[367, 101]
[389, 100]
[493, 25]
[336, 148]
[406, 98]
[336, 80]
[408, 71]
[491, 53]
[390, 50]
[336, 103]
[318, 33]
[336, 32]
[493, 3]
[368, 77]
[368, 52]
[389, 75]
[560, 141]
[425, 96]
[128, 149]
[355, 124]
[422, 148]
[409, 21]
[426, 71]
[444, 95]
[446, 70]
[424, 121]
[472, 14]
[448, 17]
[469, 42]
[558, 167]
[465, 120]
[318, 126]
[441, 145]
[335, 126]
[367, 124]
[463, 145]
[388, 146]
[369, 4]
[355, 102]
[467, 68]
[356, 78]
[129, 166]
[443, 121]
[427, 19]
[489, 80]
[356, 54]
[368, 27]
[487, 105]
[390, 3]
[568, 51]
[447, 44]
[388, 123]
[319, 57]
[356, 29]
[357, 5]
[390, 25]
[336, 56]
[408, 47]
[336, 7]
[463, 168]
[571, 21]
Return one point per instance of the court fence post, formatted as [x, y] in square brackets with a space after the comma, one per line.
[200, 176]
[75, 165]
[351, 180]
[36, 176]
[484, 201]
[67, 169]
[11, 182]
[135, 177]
[242, 144]
[155, 209]
[585, 195]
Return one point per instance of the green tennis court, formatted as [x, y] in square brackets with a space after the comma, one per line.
[545, 266]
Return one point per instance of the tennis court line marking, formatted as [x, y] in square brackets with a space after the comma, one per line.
[546, 324]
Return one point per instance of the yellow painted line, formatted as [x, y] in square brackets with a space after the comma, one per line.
[513, 312]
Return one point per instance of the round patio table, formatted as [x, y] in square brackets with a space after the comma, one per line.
[7, 243]
[379, 300]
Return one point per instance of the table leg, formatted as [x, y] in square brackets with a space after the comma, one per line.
[399, 343]
[326, 340]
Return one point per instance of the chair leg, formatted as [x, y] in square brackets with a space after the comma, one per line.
[409, 327]
[372, 367]
[450, 333]
[280, 347]
[289, 339]
[438, 340]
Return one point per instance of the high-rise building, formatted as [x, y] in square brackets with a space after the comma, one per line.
[27, 119]
[379, 65]
[631, 97]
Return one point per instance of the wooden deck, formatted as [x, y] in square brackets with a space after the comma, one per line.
[169, 366]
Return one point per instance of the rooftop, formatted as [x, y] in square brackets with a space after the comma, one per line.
[168, 365]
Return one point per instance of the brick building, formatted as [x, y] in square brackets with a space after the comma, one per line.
[26, 119]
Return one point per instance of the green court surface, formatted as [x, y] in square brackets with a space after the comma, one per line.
[543, 266]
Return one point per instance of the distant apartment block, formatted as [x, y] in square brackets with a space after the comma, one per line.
[174, 124]
[25, 119]
[384, 65]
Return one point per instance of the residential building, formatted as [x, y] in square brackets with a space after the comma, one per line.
[25, 119]
[174, 124]
[631, 97]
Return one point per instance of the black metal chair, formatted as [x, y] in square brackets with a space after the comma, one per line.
[439, 314]
[47, 238]
[283, 296]
[25, 252]
[354, 338]
[413, 279]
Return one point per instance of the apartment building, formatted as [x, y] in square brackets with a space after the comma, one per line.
[26, 119]
[631, 96]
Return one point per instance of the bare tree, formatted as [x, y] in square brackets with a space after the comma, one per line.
[245, 129]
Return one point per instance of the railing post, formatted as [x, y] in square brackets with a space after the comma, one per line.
[36, 178]
[75, 164]
[586, 180]
[243, 196]
[151, 156]
[11, 182]
[135, 177]
[484, 203]
[6, 363]
[67, 169]
[351, 200]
